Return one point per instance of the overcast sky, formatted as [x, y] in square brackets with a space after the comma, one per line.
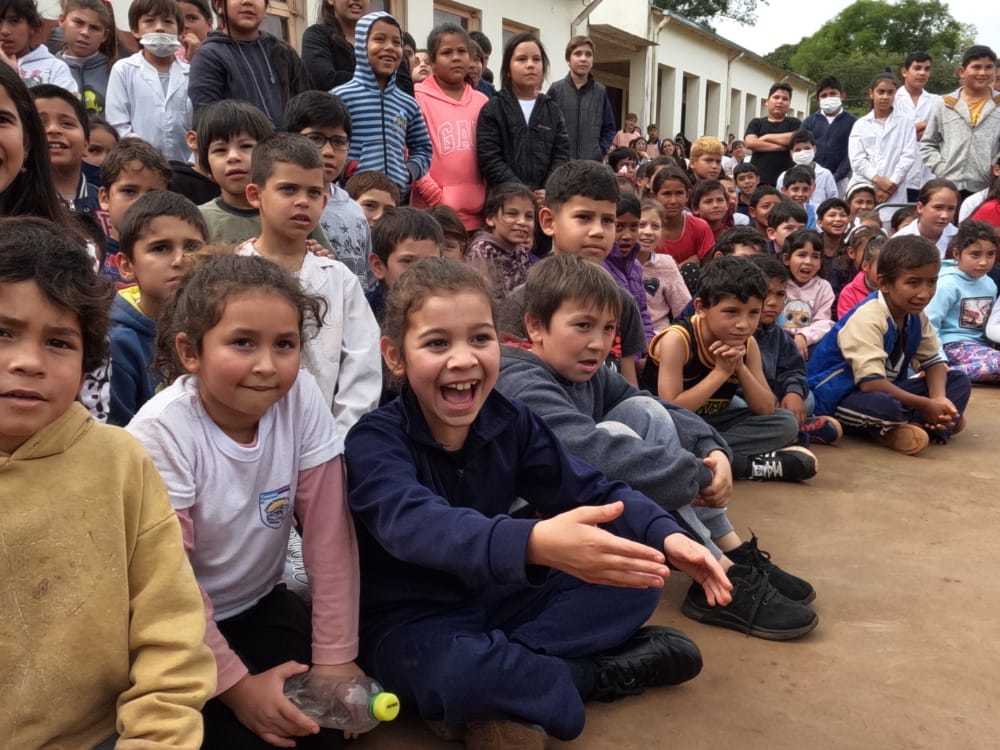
[787, 21]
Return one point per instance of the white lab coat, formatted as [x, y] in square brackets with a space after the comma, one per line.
[135, 105]
[921, 112]
[884, 149]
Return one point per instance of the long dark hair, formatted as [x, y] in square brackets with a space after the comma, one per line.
[328, 16]
[508, 55]
[31, 192]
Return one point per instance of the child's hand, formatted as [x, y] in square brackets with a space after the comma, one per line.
[338, 673]
[572, 543]
[939, 413]
[259, 702]
[191, 44]
[802, 345]
[539, 197]
[313, 246]
[9, 59]
[793, 402]
[694, 559]
[727, 358]
[717, 494]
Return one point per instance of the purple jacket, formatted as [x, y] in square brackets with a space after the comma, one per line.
[627, 271]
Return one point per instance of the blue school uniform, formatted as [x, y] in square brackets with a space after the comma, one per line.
[453, 617]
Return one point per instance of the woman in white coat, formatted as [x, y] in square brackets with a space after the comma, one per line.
[883, 144]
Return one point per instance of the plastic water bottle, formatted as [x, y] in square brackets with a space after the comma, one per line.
[355, 705]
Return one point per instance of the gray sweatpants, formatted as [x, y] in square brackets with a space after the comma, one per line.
[748, 434]
[644, 417]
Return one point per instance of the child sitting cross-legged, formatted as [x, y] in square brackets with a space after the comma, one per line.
[701, 363]
[782, 363]
[865, 281]
[666, 452]
[160, 232]
[519, 620]
[228, 132]
[501, 252]
[247, 447]
[808, 312]
[103, 630]
[323, 119]
[859, 373]
[580, 211]
[288, 188]
[964, 300]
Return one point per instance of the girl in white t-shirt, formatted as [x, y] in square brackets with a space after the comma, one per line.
[245, 441]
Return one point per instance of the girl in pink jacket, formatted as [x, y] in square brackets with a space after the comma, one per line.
[451, 108]
[808, 313]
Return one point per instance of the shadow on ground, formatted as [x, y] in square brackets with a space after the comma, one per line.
[903, 553]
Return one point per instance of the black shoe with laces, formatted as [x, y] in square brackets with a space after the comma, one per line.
[793, 464]
[757, 608]
[653, 657]
[793, 587]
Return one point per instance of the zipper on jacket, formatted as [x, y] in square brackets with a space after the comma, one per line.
[385, 150]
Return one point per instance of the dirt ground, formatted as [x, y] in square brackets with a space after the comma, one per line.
[903, 554]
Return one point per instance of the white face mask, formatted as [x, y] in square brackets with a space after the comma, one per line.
[160, 45]
[805, 158]
[830, 105]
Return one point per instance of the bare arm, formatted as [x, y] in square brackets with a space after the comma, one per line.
[672, 352]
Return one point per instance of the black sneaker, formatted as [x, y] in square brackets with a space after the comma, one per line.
[757, 608]
[653, 657]
[793, 587]
[792, 464]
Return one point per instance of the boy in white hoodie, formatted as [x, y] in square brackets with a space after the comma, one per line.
[148, 92]
[19, 22]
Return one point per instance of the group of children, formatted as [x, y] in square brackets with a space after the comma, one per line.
[490, 455]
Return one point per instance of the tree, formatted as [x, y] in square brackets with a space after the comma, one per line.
[871, 35]
[703, 11]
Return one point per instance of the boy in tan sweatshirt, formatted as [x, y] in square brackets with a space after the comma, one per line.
[101, 622]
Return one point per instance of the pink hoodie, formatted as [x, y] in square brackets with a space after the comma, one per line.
[454, 178]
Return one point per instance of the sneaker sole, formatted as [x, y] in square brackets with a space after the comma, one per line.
[710, 617]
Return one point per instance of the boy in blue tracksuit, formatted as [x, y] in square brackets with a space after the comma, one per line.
[389, 133]
[859, 371]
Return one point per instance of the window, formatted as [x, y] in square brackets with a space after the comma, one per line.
[394, 8]
[283, 21]
[448, 12]
[511, 28]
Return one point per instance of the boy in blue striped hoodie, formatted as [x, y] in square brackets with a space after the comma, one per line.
[390, 135]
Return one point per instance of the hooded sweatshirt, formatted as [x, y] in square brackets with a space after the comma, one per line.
[503, 265]
[132, 337]
[627, 271]
[388, 133]
[265, 72]
[102, 616]
[454, 177]
[573, 410]
[41, 66]
[961, 305]
[91, 75]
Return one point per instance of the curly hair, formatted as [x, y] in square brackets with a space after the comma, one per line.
[41, 251]
[200, 303]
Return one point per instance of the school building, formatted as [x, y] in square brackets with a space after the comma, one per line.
[660, 65]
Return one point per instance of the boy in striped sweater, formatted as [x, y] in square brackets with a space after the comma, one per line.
[389, 132]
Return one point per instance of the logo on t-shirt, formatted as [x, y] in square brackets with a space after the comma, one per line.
[974, 312]
[274, 506]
